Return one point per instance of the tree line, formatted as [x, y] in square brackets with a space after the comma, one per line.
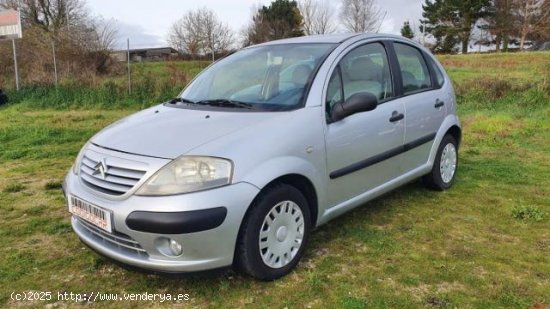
[455, 23]
[447, 26]
[278, 20]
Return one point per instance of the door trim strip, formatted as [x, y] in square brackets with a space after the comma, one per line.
[381, 157]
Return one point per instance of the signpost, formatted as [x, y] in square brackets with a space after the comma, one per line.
[10, 28]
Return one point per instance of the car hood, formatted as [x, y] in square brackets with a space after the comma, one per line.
[168, 132]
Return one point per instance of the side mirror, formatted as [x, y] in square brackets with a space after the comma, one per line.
[357, 103]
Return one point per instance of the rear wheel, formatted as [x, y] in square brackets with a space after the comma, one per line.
[274, 233]
[445, 165]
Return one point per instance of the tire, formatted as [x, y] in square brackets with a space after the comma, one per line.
[437, 179]
[282, 203]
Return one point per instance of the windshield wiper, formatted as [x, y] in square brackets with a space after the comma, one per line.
[225, 103]
[180, 100]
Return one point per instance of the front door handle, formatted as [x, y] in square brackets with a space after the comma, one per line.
[439, 103]
[396, 116]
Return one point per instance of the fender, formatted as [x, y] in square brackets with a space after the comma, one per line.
[272, 169]
[449, 121]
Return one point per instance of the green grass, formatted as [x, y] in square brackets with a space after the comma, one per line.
[485, 243]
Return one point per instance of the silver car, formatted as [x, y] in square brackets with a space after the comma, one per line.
[262, 147]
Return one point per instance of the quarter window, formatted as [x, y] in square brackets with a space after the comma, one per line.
[413, 68]
[364, 69]
[439, 79]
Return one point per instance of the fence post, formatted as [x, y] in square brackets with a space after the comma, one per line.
[54, 62]
[15, 65]
[129, 72]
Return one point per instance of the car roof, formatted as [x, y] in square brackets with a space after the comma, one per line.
[340, 38]
[330, 38]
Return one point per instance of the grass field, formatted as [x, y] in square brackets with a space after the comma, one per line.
[485, 243]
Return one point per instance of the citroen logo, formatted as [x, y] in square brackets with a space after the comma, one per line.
[100, 169]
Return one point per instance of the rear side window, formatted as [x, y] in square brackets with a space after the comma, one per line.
[413, 68]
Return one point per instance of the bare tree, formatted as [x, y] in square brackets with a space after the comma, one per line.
[317, 16]
[325, 18]
[50, 15]
[185, 34]
[530, 18]
[308, 9]
[360, 15]
[200, 31]
[66, 20]
[215, 35]
[105, 34]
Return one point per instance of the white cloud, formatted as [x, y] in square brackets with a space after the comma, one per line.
[388, 26]
[139, 38]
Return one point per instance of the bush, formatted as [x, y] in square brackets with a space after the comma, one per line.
[492, 88]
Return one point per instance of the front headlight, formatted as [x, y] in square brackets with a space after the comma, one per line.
[76, 165]
[189, 174]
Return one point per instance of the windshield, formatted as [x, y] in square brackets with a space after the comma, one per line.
[273, 77]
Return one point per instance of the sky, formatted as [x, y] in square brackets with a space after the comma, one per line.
[147, 23]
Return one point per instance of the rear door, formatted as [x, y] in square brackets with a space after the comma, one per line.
[424, 102]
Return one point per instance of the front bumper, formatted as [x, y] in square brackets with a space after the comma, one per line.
[202, 250]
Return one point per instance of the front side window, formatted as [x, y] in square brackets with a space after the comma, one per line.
[414, 70]
[364, 69]
[272, 77]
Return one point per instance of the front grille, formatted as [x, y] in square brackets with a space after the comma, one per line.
[117, 178]
[121, 241]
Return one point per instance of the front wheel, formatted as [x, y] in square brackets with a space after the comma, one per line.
[274, 233]
[445, 165]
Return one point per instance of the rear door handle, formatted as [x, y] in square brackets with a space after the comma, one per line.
[439, 103]
[396, 116]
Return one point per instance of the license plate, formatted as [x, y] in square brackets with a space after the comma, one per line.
[91, 213]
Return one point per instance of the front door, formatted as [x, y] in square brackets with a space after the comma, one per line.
[359, 147]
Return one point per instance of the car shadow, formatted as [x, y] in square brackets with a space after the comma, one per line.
[320, 237]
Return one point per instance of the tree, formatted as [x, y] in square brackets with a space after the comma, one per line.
[281, 19]
[452, 21]
[105, 34]
[531, 18]
[82, 44]
[407, 31]
[200, 31]
[185, 34]
[498, 22]
[215, 35]
[317, 16]
[51, 16]
[360, 15]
